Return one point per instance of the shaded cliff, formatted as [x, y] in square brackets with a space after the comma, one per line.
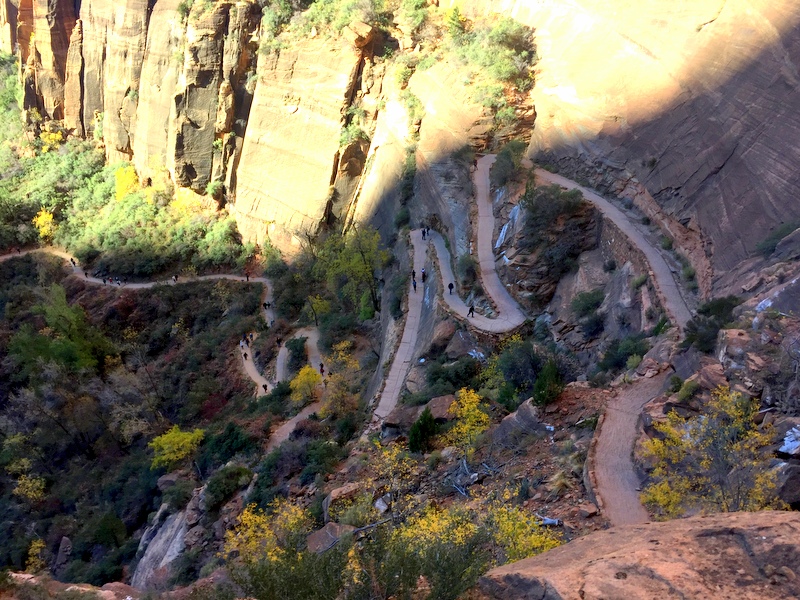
[688, 109]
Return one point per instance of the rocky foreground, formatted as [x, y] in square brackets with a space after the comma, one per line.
[739, 555]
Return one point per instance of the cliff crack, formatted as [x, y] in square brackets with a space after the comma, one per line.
[719, 168]
[716, 16]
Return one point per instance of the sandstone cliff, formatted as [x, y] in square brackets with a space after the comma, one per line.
[689, 108]
[734, 555]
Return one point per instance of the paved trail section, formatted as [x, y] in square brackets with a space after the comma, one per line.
[617, 481]
[249, 367]
[509, 315]
[675, 304]
[405, 351]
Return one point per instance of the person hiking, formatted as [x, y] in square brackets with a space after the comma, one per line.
[247, 276]
[471, 312]
[174, 279]
[423, 233]
[265, 306]
[423, 274]
[321, 369]
[264, 385]
[245, 355]
[72, 260]
[413, 274]
[414, 284]
[450, 287]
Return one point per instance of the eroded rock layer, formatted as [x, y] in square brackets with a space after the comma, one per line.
[734, 555]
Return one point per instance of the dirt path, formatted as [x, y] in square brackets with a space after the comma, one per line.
[664, 281]
[617, 482]
[248, 365]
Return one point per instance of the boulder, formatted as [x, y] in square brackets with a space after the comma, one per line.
[63, 556]
[523, 421]
[463, 343]
[195, 536]
[442, 334]
[789, 483]
[415, 381]
[440, 408]
[402, 417]
[322, 539]
[167, 481]
[711, 375]
[346, 491]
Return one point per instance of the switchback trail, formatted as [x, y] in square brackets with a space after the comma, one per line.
[249, 367]
[675, 305]
[617, 482]
[509, 314]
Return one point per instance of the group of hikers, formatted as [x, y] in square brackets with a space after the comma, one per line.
[426, 233]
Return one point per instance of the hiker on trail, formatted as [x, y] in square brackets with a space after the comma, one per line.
[413, 274]
[104, 280]
[450, 287]
[265, 306]
[247, 276]
[264, 385]
[278, 341]
[252, 337]
[471, 312]
[423, 233]
[414, 284]
[428, 231]
[86, 274]
[423, 274]
[321, 370]
[72, 260]
[174, 279]
[245, 355]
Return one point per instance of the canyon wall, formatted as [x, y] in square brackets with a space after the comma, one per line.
[688, 108]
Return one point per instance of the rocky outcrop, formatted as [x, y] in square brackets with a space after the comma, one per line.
[161, 543]
[741, 555]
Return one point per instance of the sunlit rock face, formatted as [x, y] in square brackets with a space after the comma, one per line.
[690, 108]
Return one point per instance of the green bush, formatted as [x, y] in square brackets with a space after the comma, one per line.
[675, 383]
[768, 245]
[633, 362]
[619, 351]
[548, 385]
[422, 432]
[592, 325]
[702, 330]
[297, 354]
[178, 496]
[687, 390]
[666, 243]
[402, 218]
[223, 484]
[638, 281]
[507, 163]
[587, 302]
[220, 448]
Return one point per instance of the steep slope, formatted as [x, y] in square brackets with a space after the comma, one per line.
[688, 108]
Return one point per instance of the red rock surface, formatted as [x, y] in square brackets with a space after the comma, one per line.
[747, 556]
